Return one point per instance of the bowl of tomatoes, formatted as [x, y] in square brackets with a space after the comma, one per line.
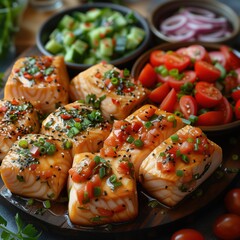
[198, 82]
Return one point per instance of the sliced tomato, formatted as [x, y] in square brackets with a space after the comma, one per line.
[236, 93]
[197, 52]
[166, 166]
[206, 71]
[237, 71]
[162, 79]
[148, 77]
[188, 106]
[175, 60]
[105, 212]
[189, 76]
[237, 110]
[157, 58]
[217, 56]
[159, 93]
[232, 60]
[230, 82]
[207, 95]
[210, 118]
[225, 107]
[89, 189]
[169, 101]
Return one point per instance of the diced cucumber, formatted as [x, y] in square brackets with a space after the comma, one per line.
[86, 26]
[98, 33]
[80, 16]
[69, 56]
[135, 37]
[80, 46]
[106, 47]
[93, 14]
[121, 44]
[89, 60]
[53, 46]
[118, 19]
[55, 32]
[67, 22]
[68, 38]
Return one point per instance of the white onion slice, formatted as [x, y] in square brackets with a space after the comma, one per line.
[173, 23]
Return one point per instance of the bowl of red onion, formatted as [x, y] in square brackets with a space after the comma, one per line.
[202, 21]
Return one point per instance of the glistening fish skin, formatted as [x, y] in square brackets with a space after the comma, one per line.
[122, 96]
[31, 170]
[91, 129]
[98, 196]
[42, 80]
[17, 118]
[179, 165]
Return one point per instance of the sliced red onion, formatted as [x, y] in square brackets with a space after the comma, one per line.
[183, 37]
[173, 23]
[200, 11]
[200, 27]
[212, 37]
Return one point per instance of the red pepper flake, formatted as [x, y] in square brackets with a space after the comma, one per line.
[16, 70]
[49, 79]
[14, 102]
[27, 76]
[102, 35]
[35, 151]
[115, 101]
[77, 119]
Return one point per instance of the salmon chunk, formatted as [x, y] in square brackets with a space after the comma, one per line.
[42, 80]
[17, 118]
[140, 133]
[122, 93]
[36, 166]
[179, 165]
[101, 190]
[81, 127]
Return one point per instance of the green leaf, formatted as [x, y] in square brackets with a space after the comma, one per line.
[5, 236]
[19, 223]
[30, 231]
[3, 221]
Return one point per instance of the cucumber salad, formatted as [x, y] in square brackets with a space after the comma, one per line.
[95, 35]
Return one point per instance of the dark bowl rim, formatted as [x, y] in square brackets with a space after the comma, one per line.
[133, 54]
[209, 129]
[205, 3]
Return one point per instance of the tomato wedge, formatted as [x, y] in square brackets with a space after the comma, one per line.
[217, 56]
[157, 58]
[207, 95]
[206, 71]
[148, 76]
[237, 110]
[210, 118]
[175, 60]
[198, 52]
[232, 60]
[169, 101]
[189, 76]
[159, 93]
[236, 93]
[225, 107]
[230, 82]
[188, 106]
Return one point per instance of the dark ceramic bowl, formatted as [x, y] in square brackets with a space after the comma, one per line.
[51, 24]
[143, 59]
[168, 8]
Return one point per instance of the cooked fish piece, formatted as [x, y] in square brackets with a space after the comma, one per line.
[17, 118]
[82, 128]
[140, 133]
[179, 165]
[122, 92]
[36, 166]
[101, 190]
[43, 80]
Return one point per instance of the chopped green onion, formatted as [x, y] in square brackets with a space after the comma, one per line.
[235, 157]
[48, 124]
[162, 154]
[30, 202]
[171, 118]
[113, 178]
[51, 149]
[20, 178]
[23, 143]
[190, 140]
[97, 159]
[185, 158]
[196, 147]
[114, 81]
[78, 125]
[178, 113]
[198, 140]
[178, 153]
[117, 184]
[174, 138]
[180, 173]
[138, 143]
[102, 172]
[67, 144]
[47, 204]
[174, 72]
[186, 121]
[148, 124]
[73, 131]
[193, 119]
[42, 150]
[130, 139]
[126, 72]
[97, 191]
